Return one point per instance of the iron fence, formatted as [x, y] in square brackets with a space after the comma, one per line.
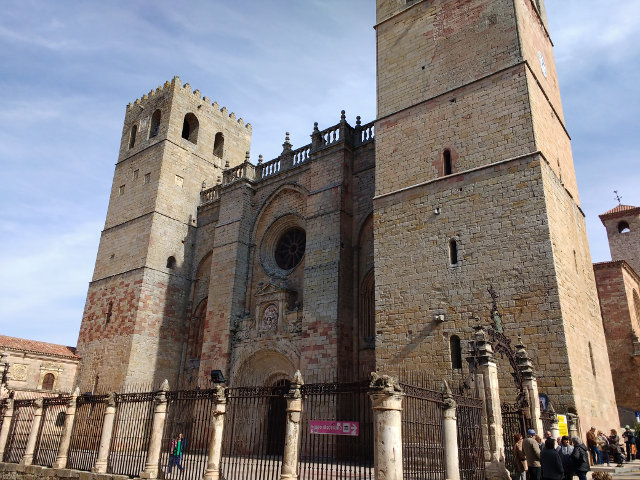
[514, 421]
[87, 429]
[131, 433]
[423, 453]
[189, 414]
[19, 430]
[50, 432]
[343, 456]
[470, 444]
[254, 428]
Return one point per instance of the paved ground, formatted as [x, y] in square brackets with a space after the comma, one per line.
[629, 471]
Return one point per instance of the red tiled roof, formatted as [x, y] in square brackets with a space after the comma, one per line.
[619, 209]
[33, 346]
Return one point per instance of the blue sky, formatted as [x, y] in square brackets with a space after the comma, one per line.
[69, 68]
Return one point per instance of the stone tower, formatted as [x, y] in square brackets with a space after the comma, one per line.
[173, 141]
[619, 294]
[476, 193]
[623, 231]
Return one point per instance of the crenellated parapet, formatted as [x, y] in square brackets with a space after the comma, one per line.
[175, 85]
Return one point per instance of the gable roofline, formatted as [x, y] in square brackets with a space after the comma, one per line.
[34, 346]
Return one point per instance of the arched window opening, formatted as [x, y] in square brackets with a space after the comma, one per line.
[190, 128]
[367, 311]
[171, 262]
[593, 365]
[132, 137]
[47, 381]
[218, 145]
[154, 128]
[456, 352]
[109, 312]
[448, 167]
[453, 252]
[623, 227]
[196, 331]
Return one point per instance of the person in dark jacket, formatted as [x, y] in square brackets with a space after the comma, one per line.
[580, 459]
[565, 449]
[630, 441]
[551, 462]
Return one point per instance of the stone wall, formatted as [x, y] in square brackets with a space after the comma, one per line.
[619, 295]
[145, 262]
[12, 471]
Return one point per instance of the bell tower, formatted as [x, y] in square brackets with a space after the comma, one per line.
[174, 143]
[476, 192]
[623, 231]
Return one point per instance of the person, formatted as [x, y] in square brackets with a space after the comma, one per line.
[550, 461]
[175, 452]
[630, 441]
[547, 434]
[603, 448]
[519, 458]
[593, 445]
[540, 442]
[614, 448]
[531, 451]
[580, 459]
[565, 449]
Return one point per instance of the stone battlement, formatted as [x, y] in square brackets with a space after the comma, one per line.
[177, 87]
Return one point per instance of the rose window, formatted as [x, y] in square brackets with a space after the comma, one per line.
[290, 248]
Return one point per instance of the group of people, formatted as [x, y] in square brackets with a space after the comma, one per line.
[604, 449]
[542, 459]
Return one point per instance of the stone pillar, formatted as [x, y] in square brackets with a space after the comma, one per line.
[65, 439]
[217, 424]
[386, 399]
[487, 378]
[105, 438]
[530, 386]
[572, 420]
[157, 426]
[292, 431]
[555, 424]
[450, 432]
[6, 424]
[27, 458]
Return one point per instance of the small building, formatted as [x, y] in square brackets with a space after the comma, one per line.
[38, 366]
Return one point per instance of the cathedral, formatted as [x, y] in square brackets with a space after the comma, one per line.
[379, 245]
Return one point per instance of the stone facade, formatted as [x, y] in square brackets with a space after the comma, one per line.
[38, 367]
[466, 203]
[482, 198]
[619, 294]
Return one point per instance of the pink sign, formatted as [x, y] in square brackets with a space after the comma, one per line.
[323, 427]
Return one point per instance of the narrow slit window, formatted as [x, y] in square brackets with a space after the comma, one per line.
[109, 312]
[448, 167]
[132, 137]
[593, 365]
[456, 352]
[171, 262]
[453, 252]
